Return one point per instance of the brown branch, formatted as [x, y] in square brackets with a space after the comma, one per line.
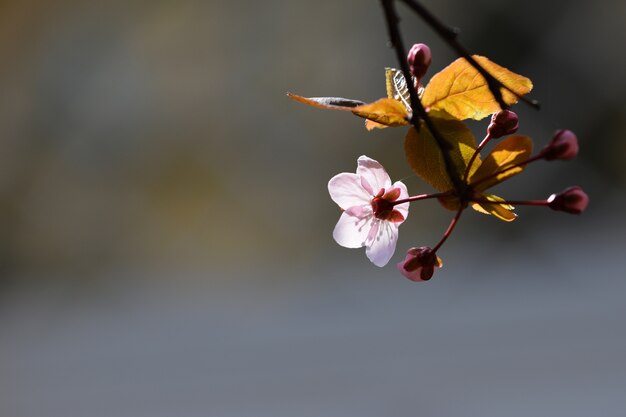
[418, 111]
[450, 35]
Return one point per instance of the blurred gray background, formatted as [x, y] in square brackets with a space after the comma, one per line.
[165, 228]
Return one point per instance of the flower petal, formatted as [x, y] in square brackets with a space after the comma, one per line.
[381, 249]
[374, 173]
[359, 211]
[404, 193]
[346, 190]
[352, 231]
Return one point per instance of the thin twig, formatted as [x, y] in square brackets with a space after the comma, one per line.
[475, 155]
[512, 202]
[450, 35]
[422, 197]
[419, 113]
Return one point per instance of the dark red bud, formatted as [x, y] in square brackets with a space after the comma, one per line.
[419, 59]
[419, 264]
[571, 200]
[504, 122]
[564, 146]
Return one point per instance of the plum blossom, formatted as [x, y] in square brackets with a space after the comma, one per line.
[370, 218]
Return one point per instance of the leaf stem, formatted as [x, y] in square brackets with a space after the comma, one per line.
[449, 230]
[513, 202]
[475, 155]
[422, 197]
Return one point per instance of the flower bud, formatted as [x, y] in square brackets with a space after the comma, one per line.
[571, 200]
[564, 145]
[504, 122]
[419, 264]
[419, 59]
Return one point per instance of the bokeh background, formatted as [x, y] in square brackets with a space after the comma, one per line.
[165, 228]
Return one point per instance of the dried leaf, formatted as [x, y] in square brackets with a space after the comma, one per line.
[381, 113]
[397, 87]
[460, 90]
[385, 111]
[332, 103]
[425, 157]
[507, 153]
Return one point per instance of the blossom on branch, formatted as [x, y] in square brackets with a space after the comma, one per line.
[371, 216]
[441, 149]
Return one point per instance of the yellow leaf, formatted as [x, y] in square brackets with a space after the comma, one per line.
[331, 103]
[450, 202]
[424, 155]
[380, 114]
[385, 111]
[460, 90]
[500, 211]
[507, 153]
[370, 124]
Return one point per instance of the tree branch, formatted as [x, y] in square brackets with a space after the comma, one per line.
[450, 35]
[418, 111]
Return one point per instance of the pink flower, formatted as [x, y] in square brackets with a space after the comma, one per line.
[370, 218]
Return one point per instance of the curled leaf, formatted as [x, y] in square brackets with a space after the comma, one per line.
[379, 114]
[332, 103]
[397, 87]
[462, 92]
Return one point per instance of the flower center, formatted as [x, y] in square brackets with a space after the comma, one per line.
[382, 205]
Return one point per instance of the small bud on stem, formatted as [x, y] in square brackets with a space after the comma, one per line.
[571, 200]
[564, 146]
[504, 122]
[419, 59]
[419, 264]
